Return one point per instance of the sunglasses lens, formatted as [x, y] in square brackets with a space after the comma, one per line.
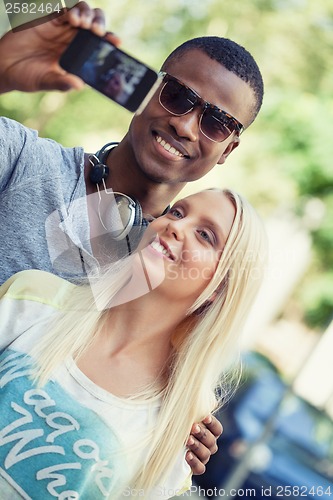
[176, 98]
[215, 125]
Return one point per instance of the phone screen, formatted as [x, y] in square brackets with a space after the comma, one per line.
[108, 69]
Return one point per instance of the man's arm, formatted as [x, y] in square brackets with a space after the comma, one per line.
[202, 443]
[29, 58]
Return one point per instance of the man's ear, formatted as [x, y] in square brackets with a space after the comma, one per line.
[231, 146]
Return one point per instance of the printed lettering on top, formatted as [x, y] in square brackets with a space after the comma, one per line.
[64, 447]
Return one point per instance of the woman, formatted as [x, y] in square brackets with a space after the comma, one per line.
[73, 417]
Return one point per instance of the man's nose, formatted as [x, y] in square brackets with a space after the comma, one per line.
[187, 126]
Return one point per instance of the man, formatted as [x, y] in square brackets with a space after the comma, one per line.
[166, 146]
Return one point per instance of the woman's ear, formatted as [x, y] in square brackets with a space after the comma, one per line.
[231, 146]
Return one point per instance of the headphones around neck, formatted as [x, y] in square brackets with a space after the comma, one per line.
[129, 208]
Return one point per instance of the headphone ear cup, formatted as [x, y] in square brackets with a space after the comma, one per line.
[138, 216]
[138, 228]
[111, 221]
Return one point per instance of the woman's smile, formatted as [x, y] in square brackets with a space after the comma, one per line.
[163, 248]
[185, 245]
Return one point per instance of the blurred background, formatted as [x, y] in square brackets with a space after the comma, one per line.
[278, 431]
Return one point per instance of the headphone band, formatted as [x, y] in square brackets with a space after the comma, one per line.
[103, 153]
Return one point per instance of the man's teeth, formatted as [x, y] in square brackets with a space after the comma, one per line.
[168, 146]
[160, 248]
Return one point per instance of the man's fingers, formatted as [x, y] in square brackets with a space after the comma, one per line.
[112, 38]
[197, 467]
[201, 452]
[213, 425]
[83, 16]
[205, 436]
[98, 22]
[82, 8]
[61, 81]
[98, 17]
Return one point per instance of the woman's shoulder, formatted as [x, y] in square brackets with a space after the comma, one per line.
[37, 286]
[27, 299]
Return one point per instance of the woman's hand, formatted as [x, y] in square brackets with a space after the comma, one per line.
[29, 58]
[202, 443]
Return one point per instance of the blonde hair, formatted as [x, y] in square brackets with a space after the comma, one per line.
[205, 343]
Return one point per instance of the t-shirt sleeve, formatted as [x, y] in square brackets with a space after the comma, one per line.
[13, 139]
[25, 157]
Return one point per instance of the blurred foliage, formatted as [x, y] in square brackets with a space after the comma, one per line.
[286, 157]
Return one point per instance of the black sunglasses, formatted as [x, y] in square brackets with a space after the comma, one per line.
[179, 99]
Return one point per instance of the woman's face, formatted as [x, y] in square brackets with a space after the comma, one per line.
[181, 249]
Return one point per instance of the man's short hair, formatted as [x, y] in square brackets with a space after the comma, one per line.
[232, 56]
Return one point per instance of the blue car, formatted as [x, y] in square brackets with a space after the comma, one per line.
[274, 444]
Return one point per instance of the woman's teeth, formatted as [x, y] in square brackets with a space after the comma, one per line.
[160, 248]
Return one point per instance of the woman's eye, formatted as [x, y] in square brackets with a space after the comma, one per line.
[176, 213]
[205, 235]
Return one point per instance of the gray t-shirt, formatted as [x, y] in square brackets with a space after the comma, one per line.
[43, 210]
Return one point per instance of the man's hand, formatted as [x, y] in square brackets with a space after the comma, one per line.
[202, 443]
[29, 58]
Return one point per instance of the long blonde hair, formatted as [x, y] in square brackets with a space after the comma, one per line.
[205, 348]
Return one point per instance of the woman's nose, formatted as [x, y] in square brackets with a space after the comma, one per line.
[176, 228]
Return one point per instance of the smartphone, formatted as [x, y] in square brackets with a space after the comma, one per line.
[108, 69]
